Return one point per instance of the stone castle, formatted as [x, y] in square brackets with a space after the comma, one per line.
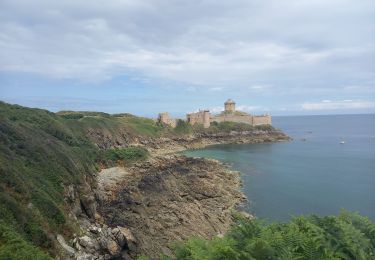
[230, 113]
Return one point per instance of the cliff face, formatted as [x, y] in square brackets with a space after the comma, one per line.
[167, 144]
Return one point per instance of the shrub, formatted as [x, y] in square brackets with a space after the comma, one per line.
[183, 127]
[15, 247]
[264, 127]
[129, 154]
[231, 126]
[347, 236]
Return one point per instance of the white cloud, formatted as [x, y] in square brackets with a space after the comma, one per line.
[370, 88]
[339, 105]
[244, 108]
[209, 43]
[247, 108]
[259, 88]
[216, 110]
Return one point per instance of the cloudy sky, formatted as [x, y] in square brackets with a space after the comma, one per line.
[144, 56]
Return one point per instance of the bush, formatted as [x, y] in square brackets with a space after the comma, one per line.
[183, 127]
[124, 155]
[264, 127]
[14, 247]
[229, 126]
[347, 236]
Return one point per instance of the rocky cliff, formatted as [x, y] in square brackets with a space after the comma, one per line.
[170, 199]
[168, 144]
[55, 200]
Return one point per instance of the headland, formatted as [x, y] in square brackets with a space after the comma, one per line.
[112, 186]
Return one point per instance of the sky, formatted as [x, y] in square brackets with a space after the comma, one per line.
[290, 57]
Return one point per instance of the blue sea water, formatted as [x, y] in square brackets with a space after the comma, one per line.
[316, 175]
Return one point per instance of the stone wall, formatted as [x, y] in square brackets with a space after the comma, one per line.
[164, 118]
[248, 119]
[262, 120]
[201, 117]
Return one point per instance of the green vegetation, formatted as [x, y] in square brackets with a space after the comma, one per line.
[183, 127]
[125, 155]
[14, 246]
[264, 127]
[41, 153]
[347, 236]
[231, 126]
[39, 156]
[128, 123]
[81, 114]
[227, 127]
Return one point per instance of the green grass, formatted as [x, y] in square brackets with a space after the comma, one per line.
[14, 246]
[112, 123]
[112, 157]
[183, 128]
[227, 127]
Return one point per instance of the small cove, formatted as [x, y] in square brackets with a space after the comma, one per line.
[314, 173]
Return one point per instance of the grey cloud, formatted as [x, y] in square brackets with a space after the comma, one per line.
[203, 43]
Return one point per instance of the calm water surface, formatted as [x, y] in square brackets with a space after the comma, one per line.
[318, 175]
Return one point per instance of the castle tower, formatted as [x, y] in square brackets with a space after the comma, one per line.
[166, 120]
[230, 106]
[163, 117]
[206, 118]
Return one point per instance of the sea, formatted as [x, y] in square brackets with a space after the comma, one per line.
[328, 166]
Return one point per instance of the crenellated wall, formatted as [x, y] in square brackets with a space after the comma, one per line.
[229, 114]
[248, 119]
[262, 120]
[201, 117]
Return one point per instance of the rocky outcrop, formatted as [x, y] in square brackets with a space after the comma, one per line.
[170, 199]
[162, 146]
[170, 144]
[145, 208]
[99, 242]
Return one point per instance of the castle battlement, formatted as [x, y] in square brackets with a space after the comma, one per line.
[230, 114]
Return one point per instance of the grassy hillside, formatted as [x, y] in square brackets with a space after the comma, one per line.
[39, 156]
[41, 153]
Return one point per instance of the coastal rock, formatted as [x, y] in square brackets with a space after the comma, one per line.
[170, 199]
[149, 205]
[112, 247]
[86, 242]
[165, 145]
[68, 249]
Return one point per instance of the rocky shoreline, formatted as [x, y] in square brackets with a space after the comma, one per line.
[171, 144]
[144, 208]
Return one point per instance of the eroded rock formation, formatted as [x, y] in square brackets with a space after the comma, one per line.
[170, 199]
